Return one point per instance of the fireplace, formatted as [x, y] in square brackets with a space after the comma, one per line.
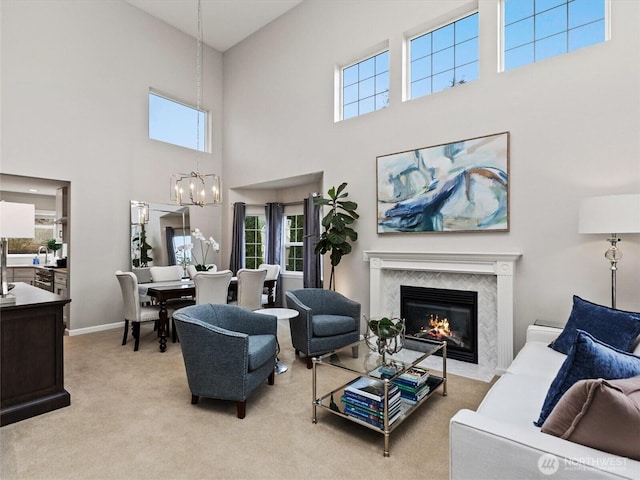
[442, 314]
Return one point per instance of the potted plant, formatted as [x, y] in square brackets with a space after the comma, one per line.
[337, 227]
[140, 241]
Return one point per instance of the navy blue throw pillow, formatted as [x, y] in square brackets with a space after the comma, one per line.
[588, 358]
[614, 327]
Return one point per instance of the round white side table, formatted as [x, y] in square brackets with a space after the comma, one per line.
[281, 314]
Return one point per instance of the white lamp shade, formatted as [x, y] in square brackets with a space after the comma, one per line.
[17, 220]
[610, 214]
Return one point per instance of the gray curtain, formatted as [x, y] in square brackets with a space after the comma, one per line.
[274, 213]
[236, 262]
[312, 262]
[171, 253]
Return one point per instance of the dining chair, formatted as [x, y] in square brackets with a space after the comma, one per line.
[134, 312]
[211, 287]
[166, 274]
[250, 285]
[273, 272]
[191, 269]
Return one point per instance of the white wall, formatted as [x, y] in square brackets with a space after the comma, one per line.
[75, 78]
[574, 123]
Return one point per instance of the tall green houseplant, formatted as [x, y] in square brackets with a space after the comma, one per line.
[337, 227]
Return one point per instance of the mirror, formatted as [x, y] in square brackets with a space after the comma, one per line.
[157, 229]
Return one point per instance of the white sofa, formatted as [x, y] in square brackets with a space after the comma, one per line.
[500, 441]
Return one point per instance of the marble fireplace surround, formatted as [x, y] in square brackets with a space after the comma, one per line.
[388, 270]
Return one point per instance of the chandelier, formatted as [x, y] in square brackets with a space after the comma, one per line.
[197, 188]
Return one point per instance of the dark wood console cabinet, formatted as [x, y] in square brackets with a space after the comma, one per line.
[31, 351]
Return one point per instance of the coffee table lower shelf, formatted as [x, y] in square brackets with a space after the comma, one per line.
[331, 402]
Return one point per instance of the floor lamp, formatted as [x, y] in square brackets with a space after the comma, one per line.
[17, 220]
[612, 215]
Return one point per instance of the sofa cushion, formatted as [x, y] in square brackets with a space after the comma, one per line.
[535, 359]
[261, 349]
[588, 358]
[515, 400]
[602, 414]
[614, 327]
[330, 325]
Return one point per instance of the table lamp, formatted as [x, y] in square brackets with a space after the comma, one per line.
[612, 215]
[17, 220]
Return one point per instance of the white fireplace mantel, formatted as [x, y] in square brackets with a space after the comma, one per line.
[501, 265]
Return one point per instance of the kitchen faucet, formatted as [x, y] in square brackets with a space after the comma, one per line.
[46, 254]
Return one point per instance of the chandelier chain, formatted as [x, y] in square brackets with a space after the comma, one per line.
[198, 84]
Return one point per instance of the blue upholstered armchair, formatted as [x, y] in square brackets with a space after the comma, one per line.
[326, 321]
[228, 351]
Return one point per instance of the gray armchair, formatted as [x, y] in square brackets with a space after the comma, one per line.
[228, 351]
[326, 321]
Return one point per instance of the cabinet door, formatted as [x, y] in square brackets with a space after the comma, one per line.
[23, 274]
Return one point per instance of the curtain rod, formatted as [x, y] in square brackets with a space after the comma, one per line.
[288, 204]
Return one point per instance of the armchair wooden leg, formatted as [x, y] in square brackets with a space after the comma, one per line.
[194, 399]
[241, 407]
[126, 332]
[309, 361]
[272, 377]
[354, 351]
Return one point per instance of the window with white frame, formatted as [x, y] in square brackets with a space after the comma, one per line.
[44, 230]
[365, 86]
[174, 122]
[444, 57]
[292, 245]
[254, 240]
[538, 29]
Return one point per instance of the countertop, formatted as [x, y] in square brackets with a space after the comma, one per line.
[27, 295]
[47, 267]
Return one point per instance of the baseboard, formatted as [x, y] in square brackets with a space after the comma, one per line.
[97, 328]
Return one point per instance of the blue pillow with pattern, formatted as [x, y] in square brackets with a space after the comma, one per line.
[614, 327]
[588, 358]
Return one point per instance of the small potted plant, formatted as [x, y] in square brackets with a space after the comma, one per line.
[389, 333]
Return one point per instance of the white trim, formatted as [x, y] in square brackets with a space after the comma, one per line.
[97, 328]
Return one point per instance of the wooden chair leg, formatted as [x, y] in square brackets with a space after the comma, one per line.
[194, 399]
[309, 361]
[272, 377]
[354, 351]
[241, 408]
[126, 332]
[136, 334]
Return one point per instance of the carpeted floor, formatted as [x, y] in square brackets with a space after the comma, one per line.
[131, 418]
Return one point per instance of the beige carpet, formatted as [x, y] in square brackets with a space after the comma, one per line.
[130, 417]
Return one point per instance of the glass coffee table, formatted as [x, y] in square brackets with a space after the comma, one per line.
[366, 368]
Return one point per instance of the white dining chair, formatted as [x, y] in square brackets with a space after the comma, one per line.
[134, 312]
[250, 285]
[212, 287]
[166, 274]
[273, 272]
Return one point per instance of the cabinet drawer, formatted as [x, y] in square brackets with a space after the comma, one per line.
[60, 279]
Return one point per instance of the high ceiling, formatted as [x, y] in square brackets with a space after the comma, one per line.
[224, 22]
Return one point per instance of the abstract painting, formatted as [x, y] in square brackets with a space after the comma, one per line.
[454, 187]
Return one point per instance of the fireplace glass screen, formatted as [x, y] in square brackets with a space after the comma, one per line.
[442, 314]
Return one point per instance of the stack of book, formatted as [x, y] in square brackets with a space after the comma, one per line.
[412, 384]
[364, 399]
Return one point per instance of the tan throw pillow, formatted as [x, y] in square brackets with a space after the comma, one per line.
[602, 414]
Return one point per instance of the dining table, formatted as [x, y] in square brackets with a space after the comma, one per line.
[162, 292]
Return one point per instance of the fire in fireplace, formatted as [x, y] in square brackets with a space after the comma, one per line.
[442, 314]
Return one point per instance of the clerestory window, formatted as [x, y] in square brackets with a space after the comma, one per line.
[538, 29]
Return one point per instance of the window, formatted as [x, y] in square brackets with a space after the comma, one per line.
[365, 86]
[292, 255]
[444, 58]
[183, 255]
[254, 240]
[539, 29]
[43, 232]
[176, 123]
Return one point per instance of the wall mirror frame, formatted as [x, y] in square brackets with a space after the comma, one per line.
[156, 231]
